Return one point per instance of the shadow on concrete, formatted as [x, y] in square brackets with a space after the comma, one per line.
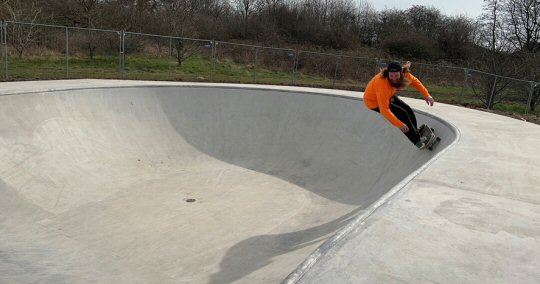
[331, 146]
[257, 252]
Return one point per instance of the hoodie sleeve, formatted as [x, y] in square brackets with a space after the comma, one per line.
[417, 85]
[383, 99]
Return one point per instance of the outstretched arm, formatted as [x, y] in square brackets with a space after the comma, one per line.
[420, 87]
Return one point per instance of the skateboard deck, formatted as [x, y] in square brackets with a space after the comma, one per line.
[429, 133]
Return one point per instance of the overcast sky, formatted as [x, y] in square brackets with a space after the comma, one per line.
[469, 8]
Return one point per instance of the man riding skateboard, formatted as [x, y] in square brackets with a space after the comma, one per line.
[380, 96]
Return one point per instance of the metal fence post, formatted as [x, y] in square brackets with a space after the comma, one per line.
[492, 96]
[122, 59]
[120, 54]
[295, 66]
[529, 101]
[377, 66]
[123, 54]
[466, 75]
[170, 54]
[214, 55]
[255, 65]
[67, 53]
[5, 53]
[338, 59]
[2, 47]
[420, 71]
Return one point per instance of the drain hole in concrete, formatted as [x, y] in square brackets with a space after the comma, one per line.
[191, 200]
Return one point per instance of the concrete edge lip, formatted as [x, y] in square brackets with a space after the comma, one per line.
[341, 236]
[128, 84]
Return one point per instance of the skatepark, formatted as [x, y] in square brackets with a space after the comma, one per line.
[158, 182]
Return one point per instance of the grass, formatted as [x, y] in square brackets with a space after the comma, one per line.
[41, 68]
[199, 68]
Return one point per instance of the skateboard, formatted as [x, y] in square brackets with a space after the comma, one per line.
[426, 131]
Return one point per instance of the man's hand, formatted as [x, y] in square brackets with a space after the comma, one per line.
[404, 128]
[430, 101]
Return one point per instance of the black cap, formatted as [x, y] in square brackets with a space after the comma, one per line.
[394, 67]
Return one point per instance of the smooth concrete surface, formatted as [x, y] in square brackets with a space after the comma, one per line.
[95, 178]
[472, 216]
[96, 174]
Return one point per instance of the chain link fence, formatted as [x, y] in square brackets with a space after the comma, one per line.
[37, 51]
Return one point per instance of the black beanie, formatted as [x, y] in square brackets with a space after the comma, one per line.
[394, 67]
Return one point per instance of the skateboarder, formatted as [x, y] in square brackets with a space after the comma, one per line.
[380, 96]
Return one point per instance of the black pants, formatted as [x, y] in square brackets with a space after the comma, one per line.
[404, 113]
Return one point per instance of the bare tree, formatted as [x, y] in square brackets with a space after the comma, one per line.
[81, 13]
[493, 38]
[493, 32]
[246, 8]
[366, 23]
[340, 22]
[178, 20]
[426, 20]
[23, 35]
[496, 56]
[523, 20]
[455, 37]
[179, 15]
[272, 7]
[213, 18]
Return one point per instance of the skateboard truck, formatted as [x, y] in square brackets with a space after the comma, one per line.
[426, 131]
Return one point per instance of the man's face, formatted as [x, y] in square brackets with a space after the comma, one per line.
[394, 76]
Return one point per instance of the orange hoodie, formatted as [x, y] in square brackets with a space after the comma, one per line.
[379, 92]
